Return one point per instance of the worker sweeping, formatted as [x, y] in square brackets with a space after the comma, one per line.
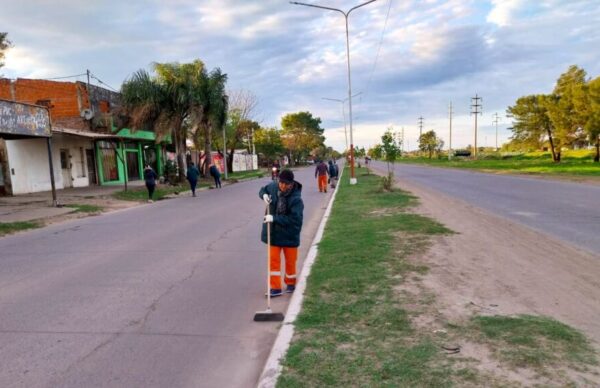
[284, 213]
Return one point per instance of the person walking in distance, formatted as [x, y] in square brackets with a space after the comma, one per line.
[285, 215]
[150, 178]
[333, 174]
[321, 173]
[192, 177]
[214, 172]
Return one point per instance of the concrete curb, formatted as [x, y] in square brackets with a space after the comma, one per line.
[272, 369]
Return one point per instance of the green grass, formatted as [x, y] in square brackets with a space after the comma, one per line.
[141, 193]
[245, 174]
[12, 227]
[574, 163]
[83, 208]
[535, 342]
[353, 330]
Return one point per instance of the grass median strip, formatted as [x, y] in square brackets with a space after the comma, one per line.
[11, 227]
[353, 330]
[366, 316]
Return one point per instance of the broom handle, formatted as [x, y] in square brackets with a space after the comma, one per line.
[268, 262]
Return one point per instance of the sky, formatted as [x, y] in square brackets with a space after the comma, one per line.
[409, 59]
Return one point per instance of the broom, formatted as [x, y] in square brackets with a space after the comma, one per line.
[268, 315]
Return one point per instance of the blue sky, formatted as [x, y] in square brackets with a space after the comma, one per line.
[430, 53]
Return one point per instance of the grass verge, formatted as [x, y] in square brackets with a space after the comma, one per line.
[533, 163]
[353, 330]
[362, 322]
[140, 194]
[534, 342]
[12, 227]
[245, 175]
[84, 208]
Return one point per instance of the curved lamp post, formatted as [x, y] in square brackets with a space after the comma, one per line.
[346, 14]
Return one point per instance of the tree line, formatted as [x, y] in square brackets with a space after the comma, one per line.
[566, 118]
[189, 102]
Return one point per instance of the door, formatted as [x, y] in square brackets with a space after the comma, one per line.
[91, 167]
[65, 165]
[133, 166]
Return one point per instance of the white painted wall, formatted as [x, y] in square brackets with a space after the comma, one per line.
[76, 146]
[28, 163]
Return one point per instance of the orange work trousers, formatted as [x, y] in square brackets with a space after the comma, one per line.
[291, 255]
[322, 180]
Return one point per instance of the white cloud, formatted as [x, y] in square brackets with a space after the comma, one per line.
[503, 11]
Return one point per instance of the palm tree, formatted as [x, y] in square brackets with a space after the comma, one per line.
[179, 97]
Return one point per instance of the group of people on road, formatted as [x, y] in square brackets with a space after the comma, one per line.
[192, 175]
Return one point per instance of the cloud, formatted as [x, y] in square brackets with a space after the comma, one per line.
[503, 12]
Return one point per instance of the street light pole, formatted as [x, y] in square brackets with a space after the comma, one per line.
[353, 180]
[343, 112]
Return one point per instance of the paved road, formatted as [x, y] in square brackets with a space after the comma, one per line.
[161, 295]
[568, 211]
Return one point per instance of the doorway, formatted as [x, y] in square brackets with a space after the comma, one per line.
[133, 166]
[65, 165]
[91, 167]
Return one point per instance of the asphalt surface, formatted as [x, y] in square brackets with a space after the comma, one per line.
[565, 210]
[161, 295]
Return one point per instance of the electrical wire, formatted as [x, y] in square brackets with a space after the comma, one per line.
[68, 76]
[103, 83]
[378, 51]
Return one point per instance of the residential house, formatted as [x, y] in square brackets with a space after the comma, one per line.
[87, 147]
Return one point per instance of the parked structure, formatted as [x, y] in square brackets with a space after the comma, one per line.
[87, 146]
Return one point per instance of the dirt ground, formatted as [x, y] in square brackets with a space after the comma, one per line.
[495, 266]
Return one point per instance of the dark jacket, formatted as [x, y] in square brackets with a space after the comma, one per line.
[321, 169]
[285, 230]
[150, 176]
[192, 173]
[214, 171]
[332, 170]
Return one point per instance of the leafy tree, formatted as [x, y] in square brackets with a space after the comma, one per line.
[268, 142]
[5, 44]
[301, 133]
[587, 106]
[375, 152]
[566, 120]
[177, 99]
[532, 124]
[429, 142]
[390, 147]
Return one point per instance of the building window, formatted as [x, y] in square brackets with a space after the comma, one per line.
[46, 103]
[104, 106]
[108, 157]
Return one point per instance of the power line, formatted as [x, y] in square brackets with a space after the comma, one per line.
[378, 49]
[67, 76]
[101, 82]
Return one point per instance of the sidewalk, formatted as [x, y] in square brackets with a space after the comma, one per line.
[35, 206]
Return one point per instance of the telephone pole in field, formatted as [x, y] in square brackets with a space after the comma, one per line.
[476, 110]
[450, 112]
[496, 122]
[420, 122]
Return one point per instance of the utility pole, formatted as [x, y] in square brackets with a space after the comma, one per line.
[402, 139]
[420, 122]
[476, 110]
[450, 112]
[496, 122]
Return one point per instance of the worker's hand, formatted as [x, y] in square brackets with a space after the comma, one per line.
[267, 198]
[268, 218]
